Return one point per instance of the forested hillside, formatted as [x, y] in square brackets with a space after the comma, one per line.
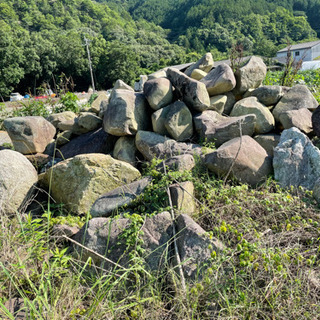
[41, 39]
[202, 25]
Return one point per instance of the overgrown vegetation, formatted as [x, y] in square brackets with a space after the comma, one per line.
[269, 269]
[310, 78]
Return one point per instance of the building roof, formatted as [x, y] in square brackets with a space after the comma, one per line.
[305, 45]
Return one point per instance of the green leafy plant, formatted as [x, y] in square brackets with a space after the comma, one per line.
[33, 108]
[68, 102]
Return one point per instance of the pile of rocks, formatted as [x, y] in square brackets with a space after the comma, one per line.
[96, 153]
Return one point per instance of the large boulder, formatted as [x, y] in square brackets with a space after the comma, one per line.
[213, 127]
[251, 75]
[195, 247]
[204, 64]
[248, 161]
[114, 199]
[97, 141]
[192, 92]
[300, 119]
[29, 134]
[153, 145]
[268, 95]
[106, 237]
[296, 160]
[127, 112]
[298, 97]
[158, 92]
[264, 118]
[79, 181]
[179, 121]
[219, 80]
[17, 181]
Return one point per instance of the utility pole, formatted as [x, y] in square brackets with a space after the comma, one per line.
[90, 64]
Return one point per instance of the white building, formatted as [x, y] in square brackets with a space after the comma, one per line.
[307, 51]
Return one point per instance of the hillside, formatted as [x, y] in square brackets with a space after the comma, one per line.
[261, 26]
[40, 40]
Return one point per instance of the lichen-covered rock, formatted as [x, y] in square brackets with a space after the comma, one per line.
[29, 134]
[298, 97]
[248, 161]
[192, 92]
[17, 181]
[158, 92]
[79, 181]
[296, 160]
[264, 118]
[219, 80]
[126, 113]
[251, 75]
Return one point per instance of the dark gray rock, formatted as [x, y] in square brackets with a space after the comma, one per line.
[114, 199]
[194, 247]
[92, 142]
[104, 236]
[315, 119]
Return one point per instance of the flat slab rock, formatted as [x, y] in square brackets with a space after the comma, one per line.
[114, 199]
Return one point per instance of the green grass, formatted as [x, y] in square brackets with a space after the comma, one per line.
[311, 78]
